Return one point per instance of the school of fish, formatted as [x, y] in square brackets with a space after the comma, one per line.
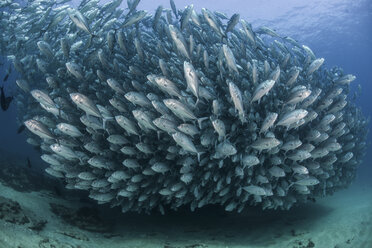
[153, 111]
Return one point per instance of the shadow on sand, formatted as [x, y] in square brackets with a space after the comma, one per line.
[212, 224]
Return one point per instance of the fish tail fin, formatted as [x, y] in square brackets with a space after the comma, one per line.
[200, 121]
[290, 185]
[197, 102]
[242, 118]
[199, 154]
[104, 123]
[104, 120]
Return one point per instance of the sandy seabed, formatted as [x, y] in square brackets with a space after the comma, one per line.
[51, 219]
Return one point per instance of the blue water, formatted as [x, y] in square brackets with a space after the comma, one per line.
[338, 30]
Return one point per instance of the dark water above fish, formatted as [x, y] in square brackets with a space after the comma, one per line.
[338, 31]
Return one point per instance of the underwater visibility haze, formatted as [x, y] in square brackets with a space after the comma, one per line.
[185, 124]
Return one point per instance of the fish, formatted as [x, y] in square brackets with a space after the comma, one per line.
[234, 19]
[300, 169]
[255, 190]
[347, 79]
[186, 143]
[237, 99]
[6, 77]
[43, 98]
[314, 66]
[211, 20]
[69, 130]
[185, 16]
[298, 96]
[136, 17]
[115, 86]
[276, 171]
[179, 109]
[84, 103]
[160, 167]
[127, 124]
[267, 31]
[45, 49]
[293, 75]
[292, 117]
[75, 70]
[188, 129]
[179, 40]
[39, 129]
[247, 28]
[182, 107]
[268, 122]
[79, 20]
[262, 89]
[132, 4]
[310, 181]
[174, 9]
[299, 155]
[22, 84]
[291, 145]
[138, 98]
[191, 79]
[249, 160]
[225, 149]
[143, 119]
[220, 128]
[230, 59]
[21, 129]
[5, 100]
[165, 85]
[265, 143]
[165, 125]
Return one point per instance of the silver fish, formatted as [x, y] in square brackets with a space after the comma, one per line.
[292, 117]
[43, 98]
[265, 143]
[236, 97]
[136, 17]
[39, 129]
[79, 20]
[314, 66]
[230, 59]
[268, 122]
[69, 129]
[84, 103]
[262, 89]
[191, 79]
